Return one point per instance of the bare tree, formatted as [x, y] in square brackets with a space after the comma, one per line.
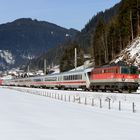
[132, 34]
[138, 20]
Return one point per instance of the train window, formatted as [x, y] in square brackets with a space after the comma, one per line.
[37, 80]
[133, 70]
[69, 77]
[80, 77]
[124, 70]
[51, 79]
[73, 76]
[77, 77]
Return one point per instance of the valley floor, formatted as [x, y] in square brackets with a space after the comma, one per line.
[32, 117]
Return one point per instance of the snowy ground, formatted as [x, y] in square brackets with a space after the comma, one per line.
[32, 117]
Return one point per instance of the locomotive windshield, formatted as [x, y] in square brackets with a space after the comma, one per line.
[125, 70]
[133, 70]
[129, 70]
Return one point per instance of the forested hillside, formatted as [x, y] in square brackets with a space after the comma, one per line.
[109, 38]
[109, 32]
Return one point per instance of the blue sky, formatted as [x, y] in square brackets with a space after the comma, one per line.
[66, 13]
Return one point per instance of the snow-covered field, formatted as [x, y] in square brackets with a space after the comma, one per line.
[26, 116]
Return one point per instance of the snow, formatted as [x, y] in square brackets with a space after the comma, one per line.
[55, 69]
[87, 65]
[32, 117]
[67, 35]
[28, 56]
[131, 54]
[7, 56]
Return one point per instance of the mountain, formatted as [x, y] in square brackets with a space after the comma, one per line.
[25, 39]
[82, 38]
[131, 54]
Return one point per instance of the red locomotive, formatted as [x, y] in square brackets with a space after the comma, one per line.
[114, 78]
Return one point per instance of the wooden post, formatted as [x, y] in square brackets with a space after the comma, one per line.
[119, 105]
[79, 100]
[133, 107]
[92, 102]
[109, 104]
[100, 103]
[73, 98]
[65, 98]
[85, 101]
[69, 98]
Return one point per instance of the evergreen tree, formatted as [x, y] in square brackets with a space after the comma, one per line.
[100, 40]
[67, 60]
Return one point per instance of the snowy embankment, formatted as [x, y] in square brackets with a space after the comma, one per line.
[31, 117]
[131, 54]
[113, 101]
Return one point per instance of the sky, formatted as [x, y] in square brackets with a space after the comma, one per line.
[65, 13]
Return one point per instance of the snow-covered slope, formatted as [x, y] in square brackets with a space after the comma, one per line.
[7, 56]
[131, 54]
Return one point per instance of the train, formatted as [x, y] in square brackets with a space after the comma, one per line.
[105, 78]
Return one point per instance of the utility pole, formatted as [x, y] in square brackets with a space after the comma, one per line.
[44, 66]
[75, 58]
[28, 69]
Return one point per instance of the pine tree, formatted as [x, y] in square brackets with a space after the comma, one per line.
[67, 60]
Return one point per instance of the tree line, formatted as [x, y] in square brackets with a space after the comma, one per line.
[109, 38]
[106, 34]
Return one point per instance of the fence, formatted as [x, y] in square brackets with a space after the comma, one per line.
[80, 100]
